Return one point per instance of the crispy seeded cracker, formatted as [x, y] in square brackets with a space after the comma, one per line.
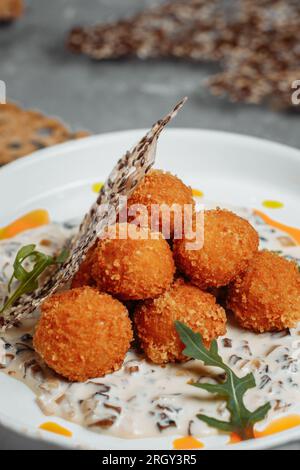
[10, 10]
[126, 175]
[255, 41]
[24, 131]
[180, 28]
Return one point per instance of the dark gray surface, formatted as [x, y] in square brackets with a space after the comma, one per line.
[101, 97]
[108, 96]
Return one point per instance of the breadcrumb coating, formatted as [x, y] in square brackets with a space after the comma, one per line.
[267, 296]
[154, 321]
[83, 334]
[230, 243]
[83, 277]
[159, 187]
[133, 269]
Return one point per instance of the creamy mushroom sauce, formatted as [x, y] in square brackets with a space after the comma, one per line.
[142, 399]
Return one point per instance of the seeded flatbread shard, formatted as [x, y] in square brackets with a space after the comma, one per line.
[125, 176]
[256, 42]
[158, 32]
[10, 10]
[24, 131]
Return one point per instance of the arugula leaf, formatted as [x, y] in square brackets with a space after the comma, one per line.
[28, 280]
[19, 272]
[62, 257]
[233, 388]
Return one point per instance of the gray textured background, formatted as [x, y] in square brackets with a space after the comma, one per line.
[101, 97]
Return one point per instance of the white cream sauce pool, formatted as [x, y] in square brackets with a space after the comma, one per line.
[142, 399]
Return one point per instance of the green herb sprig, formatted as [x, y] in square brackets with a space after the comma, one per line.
[28, 280]
[233, 388]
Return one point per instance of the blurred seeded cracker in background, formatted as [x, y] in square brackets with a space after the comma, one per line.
[10, 10]
[256, 42]
[24, 131]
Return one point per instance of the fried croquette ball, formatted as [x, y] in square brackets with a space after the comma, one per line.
[154, 321]
[83, 334]
[83, 277]
[166, 190]
[267, 296]
[230, 243]
[133, 269]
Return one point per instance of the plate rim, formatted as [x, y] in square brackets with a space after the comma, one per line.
[89, 140]
[33, 433]
[285, 437]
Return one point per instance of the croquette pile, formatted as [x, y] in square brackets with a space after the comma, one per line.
[85, 332]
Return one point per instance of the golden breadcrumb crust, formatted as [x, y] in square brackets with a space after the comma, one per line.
[133, 269]
[159, 187]
[83, 334]
[154, 321]
[230, 243]
[267, 296]
[83, 277]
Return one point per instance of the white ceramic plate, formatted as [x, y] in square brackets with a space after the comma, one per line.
[234, 169]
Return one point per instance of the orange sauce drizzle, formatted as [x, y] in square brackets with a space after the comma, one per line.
[28, 221]
[234, 438]
[293, 232]
[55, 428]
[185, 443]
[279, 425]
